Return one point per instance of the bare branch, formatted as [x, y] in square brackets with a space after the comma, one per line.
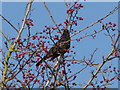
[50, 15]
[11, 49]
[9, 23]
[115, 9]
[5, 36]
[102, 64]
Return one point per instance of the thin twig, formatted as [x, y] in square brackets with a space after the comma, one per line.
[5, 36]
[75, 74]
[12, 47]
[102, 64]
[9, 23]
[50, 15]
[116, 8]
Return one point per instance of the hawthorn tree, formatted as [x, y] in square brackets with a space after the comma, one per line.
[20, 53]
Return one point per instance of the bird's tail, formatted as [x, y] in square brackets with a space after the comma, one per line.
[39, 63]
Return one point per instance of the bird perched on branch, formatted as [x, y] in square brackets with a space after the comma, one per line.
[59, 48]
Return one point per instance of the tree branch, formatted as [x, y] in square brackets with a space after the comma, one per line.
[9, 23]
[102, 64]
[115, 9]
[50, 15]
[11, 49]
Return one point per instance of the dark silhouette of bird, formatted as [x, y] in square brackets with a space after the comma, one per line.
[59, 48]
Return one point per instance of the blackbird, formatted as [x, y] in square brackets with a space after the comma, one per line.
[59, 48]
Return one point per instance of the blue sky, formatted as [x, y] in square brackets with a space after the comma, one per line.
[91, 12]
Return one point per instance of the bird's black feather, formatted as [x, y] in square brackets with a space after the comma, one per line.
[59, 48]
